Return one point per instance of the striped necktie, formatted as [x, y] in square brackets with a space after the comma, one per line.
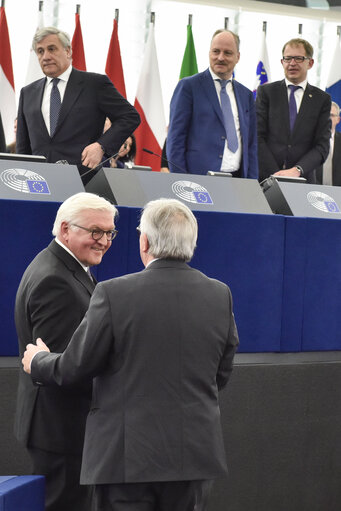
[230, 127]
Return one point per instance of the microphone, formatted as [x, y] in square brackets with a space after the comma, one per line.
[100, 164]
[168, 161]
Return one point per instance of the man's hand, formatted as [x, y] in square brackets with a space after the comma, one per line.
[92, 155]
[31, 350]
[293, 172]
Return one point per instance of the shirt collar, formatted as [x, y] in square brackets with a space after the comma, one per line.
[64, 76]
[302, 84]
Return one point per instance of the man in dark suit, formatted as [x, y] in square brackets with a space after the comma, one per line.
[330, 172]
[293, 119]
[64, 120]
[159, 345]
[212, 117]
[52, 298]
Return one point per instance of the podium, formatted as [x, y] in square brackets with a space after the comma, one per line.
[301, 199]
[52, 182]
[126, 187]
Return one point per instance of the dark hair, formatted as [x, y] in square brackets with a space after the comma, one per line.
[132, 153]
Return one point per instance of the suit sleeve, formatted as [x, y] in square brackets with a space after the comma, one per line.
[123, 116]
[318, 153]
[87, 352]
[23, 145]
[226, 362]
[179, 126]
[54, 312]
[267, 162]
[252, 171]
[2, 138]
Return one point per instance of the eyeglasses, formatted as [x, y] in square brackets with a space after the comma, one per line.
[97, 234]
[138, 229]
[297, 58]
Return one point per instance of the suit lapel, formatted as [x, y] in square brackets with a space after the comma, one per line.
[211, 93]
[73, 89]
[306, 105]
[73, 266]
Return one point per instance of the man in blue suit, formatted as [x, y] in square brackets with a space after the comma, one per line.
[198, 136]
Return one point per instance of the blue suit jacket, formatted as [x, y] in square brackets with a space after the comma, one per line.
[196, 134]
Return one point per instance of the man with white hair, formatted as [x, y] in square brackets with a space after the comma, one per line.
[160, 345]
[52, 298]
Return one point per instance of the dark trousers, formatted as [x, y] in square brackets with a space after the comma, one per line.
[162, 496]
[62, 489]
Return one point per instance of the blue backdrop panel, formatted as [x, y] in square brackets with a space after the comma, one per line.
[25, 230]
[294, 282]
[322, 292]
[246, 252]
[22, 493]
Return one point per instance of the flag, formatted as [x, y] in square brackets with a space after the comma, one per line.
[189, 65]
[263, 68]
[7, 94]
[334, 78]
[78, 57]
[113, 67]
[34, 71]
[152, 131]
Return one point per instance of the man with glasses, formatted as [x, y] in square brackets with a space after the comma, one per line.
[160, 345]
[293, 118]
[52, 299]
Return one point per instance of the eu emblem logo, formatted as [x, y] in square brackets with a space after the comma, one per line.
[332, 206]
[202, 197]
[40, 187]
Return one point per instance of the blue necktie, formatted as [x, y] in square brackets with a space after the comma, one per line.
[230, 128]
[55, 104]
[292, 105]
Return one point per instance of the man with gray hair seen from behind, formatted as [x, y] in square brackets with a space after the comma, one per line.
[62, 116]
[160, 345]
[52, 299]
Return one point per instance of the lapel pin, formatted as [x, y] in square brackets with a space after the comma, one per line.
[310, 95]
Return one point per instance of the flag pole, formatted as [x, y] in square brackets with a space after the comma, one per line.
[226, 23]
[190, 16]
[41, 3]
[3, 3]
[78, 9]
[300, 25]
[264, 27]
[152, 17]
[117, 14]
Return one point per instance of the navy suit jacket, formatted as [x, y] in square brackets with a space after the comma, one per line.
[307, 145]
[89, 98]
[196, 134]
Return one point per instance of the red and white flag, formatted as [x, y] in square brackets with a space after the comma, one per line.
[151, 133]
[113, 67]
[78, 56]
[34, 71]
[7, 94]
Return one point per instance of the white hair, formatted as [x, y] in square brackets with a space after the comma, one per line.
[71, 209]
[171, 229]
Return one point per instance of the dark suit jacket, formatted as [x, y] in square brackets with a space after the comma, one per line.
[89, 98]
[2, 138]
[336, 162]
[52, 298]
[159, 344]
[196, 134]
[307, 145]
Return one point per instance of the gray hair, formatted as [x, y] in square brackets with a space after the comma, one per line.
[337, 108]
[41, 33]
[71, 209]
[171, 229]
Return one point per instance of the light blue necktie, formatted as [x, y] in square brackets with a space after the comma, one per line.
[230, 128]
[55, 104]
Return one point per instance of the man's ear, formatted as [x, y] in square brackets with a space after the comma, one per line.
[144, 243]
